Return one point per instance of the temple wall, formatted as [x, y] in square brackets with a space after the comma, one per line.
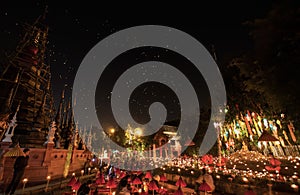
[44, 162]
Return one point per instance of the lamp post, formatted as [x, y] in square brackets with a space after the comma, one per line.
[25, 180]
[48, 180]
[82, 172]
[217, 126]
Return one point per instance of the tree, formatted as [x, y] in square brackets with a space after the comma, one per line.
[275, 71]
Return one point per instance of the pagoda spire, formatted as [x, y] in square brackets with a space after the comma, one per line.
[67, 113]
[71, 123]
[58, 118]
[11, 127]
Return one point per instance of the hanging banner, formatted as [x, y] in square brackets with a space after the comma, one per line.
[248, 126]
[292, 129]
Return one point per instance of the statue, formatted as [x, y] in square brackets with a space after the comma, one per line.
[244, 147]
[50, 136]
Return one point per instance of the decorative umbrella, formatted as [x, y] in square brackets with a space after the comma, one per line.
[162, 190]
[76, 186]
[111, 184]
[180, 182]
[148, 175]
[207, 159]
[72, 181]
[137, 181]
[223, 162]
[271, 168]
[16, 151]
[178, 192]
[267, 137]
[117, 171]
[122, 174]
[204, 187]
[137, 172]
[163, 178]
[152, 186]
[100, 180]
[274, 162]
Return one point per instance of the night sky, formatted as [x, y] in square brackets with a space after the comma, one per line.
[74, 28]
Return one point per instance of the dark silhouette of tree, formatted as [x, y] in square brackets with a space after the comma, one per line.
[274, 71]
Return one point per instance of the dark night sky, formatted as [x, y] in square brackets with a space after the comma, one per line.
[76, 27]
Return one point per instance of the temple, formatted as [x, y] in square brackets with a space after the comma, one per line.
[28, 118]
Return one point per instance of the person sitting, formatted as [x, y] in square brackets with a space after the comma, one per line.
[208, 179]
[85, 188]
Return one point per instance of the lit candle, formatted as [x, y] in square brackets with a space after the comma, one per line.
[48, 180]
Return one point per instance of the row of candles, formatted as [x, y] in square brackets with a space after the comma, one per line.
[25, 180]
[48, 178]
[241, 168]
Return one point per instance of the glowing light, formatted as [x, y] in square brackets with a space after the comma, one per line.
[48, 177]
[25, 180]
[245, 179]
[294, 186]
[112, 130]
[138, 132]
[295, 177]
